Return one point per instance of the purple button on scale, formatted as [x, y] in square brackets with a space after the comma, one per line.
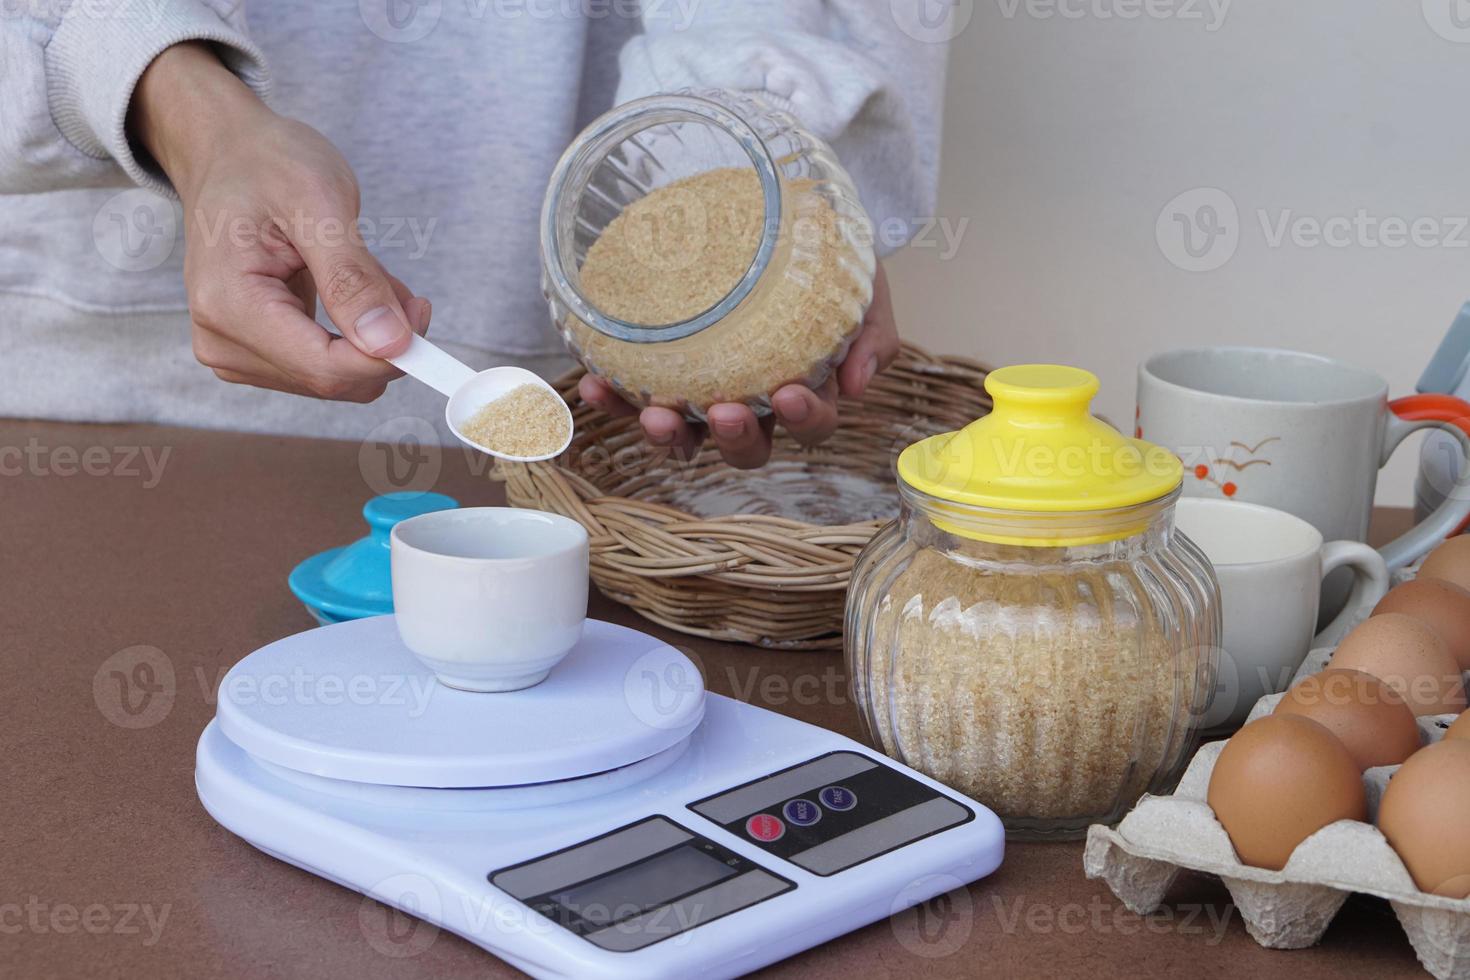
[837, 798]
[802, 813]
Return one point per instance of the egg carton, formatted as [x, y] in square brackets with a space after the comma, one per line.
[1290, 908]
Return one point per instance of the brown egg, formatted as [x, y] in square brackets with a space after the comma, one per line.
[1460, 727]
[1410, 657]
[1423, 815]
[1443, 605]
[1277, 782]
[1365, 714]
[1450, 562]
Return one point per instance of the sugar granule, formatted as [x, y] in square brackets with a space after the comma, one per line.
[526, 421]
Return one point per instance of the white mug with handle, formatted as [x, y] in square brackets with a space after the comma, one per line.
[1271, 566]
[1299, 432]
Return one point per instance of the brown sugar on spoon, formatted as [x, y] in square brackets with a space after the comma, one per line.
[527, 421]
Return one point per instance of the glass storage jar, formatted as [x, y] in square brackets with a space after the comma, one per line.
[1033, 630]
[702, 247]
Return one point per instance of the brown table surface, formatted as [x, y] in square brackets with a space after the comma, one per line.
[110, 867]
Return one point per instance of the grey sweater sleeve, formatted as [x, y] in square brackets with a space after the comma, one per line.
[845, 68]
[68, 70]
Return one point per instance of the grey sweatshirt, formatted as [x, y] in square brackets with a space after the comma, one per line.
[452, 113]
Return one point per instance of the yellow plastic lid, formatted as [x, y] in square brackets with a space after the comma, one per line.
[1040, 450]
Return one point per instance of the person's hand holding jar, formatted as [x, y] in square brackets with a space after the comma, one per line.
[810, 415]
[710, 261]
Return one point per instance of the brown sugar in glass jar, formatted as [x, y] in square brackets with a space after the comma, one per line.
[1033, 630]
[701, 248]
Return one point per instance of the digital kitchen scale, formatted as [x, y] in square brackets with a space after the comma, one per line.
[613, 821]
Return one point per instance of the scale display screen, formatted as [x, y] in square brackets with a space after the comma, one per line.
[639, 884]
[644, 885]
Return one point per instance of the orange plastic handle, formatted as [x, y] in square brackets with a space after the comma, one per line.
[1435, 408]
[1438, 408]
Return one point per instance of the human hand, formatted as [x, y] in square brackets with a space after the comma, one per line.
[809, 415]
[270, 214]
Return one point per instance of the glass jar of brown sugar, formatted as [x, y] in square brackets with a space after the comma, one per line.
[701, 248]
[1033, 630]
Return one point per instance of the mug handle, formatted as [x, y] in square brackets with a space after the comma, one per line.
[1411, 414]
[1370, 584]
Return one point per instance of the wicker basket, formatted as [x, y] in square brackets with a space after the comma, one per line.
[747, 577]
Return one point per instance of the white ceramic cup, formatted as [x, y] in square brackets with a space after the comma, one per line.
[1271, 566]
[490, 598]
[1300, 432]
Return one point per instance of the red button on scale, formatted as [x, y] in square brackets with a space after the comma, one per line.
[764, 827]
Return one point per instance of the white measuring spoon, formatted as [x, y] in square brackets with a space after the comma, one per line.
[470, 391]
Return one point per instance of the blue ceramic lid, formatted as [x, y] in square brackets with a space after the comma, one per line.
[354, 582]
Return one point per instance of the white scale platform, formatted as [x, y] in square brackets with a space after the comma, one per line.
[613, 821]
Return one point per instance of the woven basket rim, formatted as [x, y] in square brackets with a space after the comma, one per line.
[754, 578]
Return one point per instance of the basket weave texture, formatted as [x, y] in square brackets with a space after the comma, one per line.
[746, 577]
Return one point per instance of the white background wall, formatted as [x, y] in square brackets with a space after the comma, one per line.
[1067, 136]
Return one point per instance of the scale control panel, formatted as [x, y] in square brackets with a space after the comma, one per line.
[834, 812]
[655, 878]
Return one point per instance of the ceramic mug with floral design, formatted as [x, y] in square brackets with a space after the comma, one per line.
[1299, 432]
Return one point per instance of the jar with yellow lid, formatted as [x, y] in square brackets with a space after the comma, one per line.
[1033, 630]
